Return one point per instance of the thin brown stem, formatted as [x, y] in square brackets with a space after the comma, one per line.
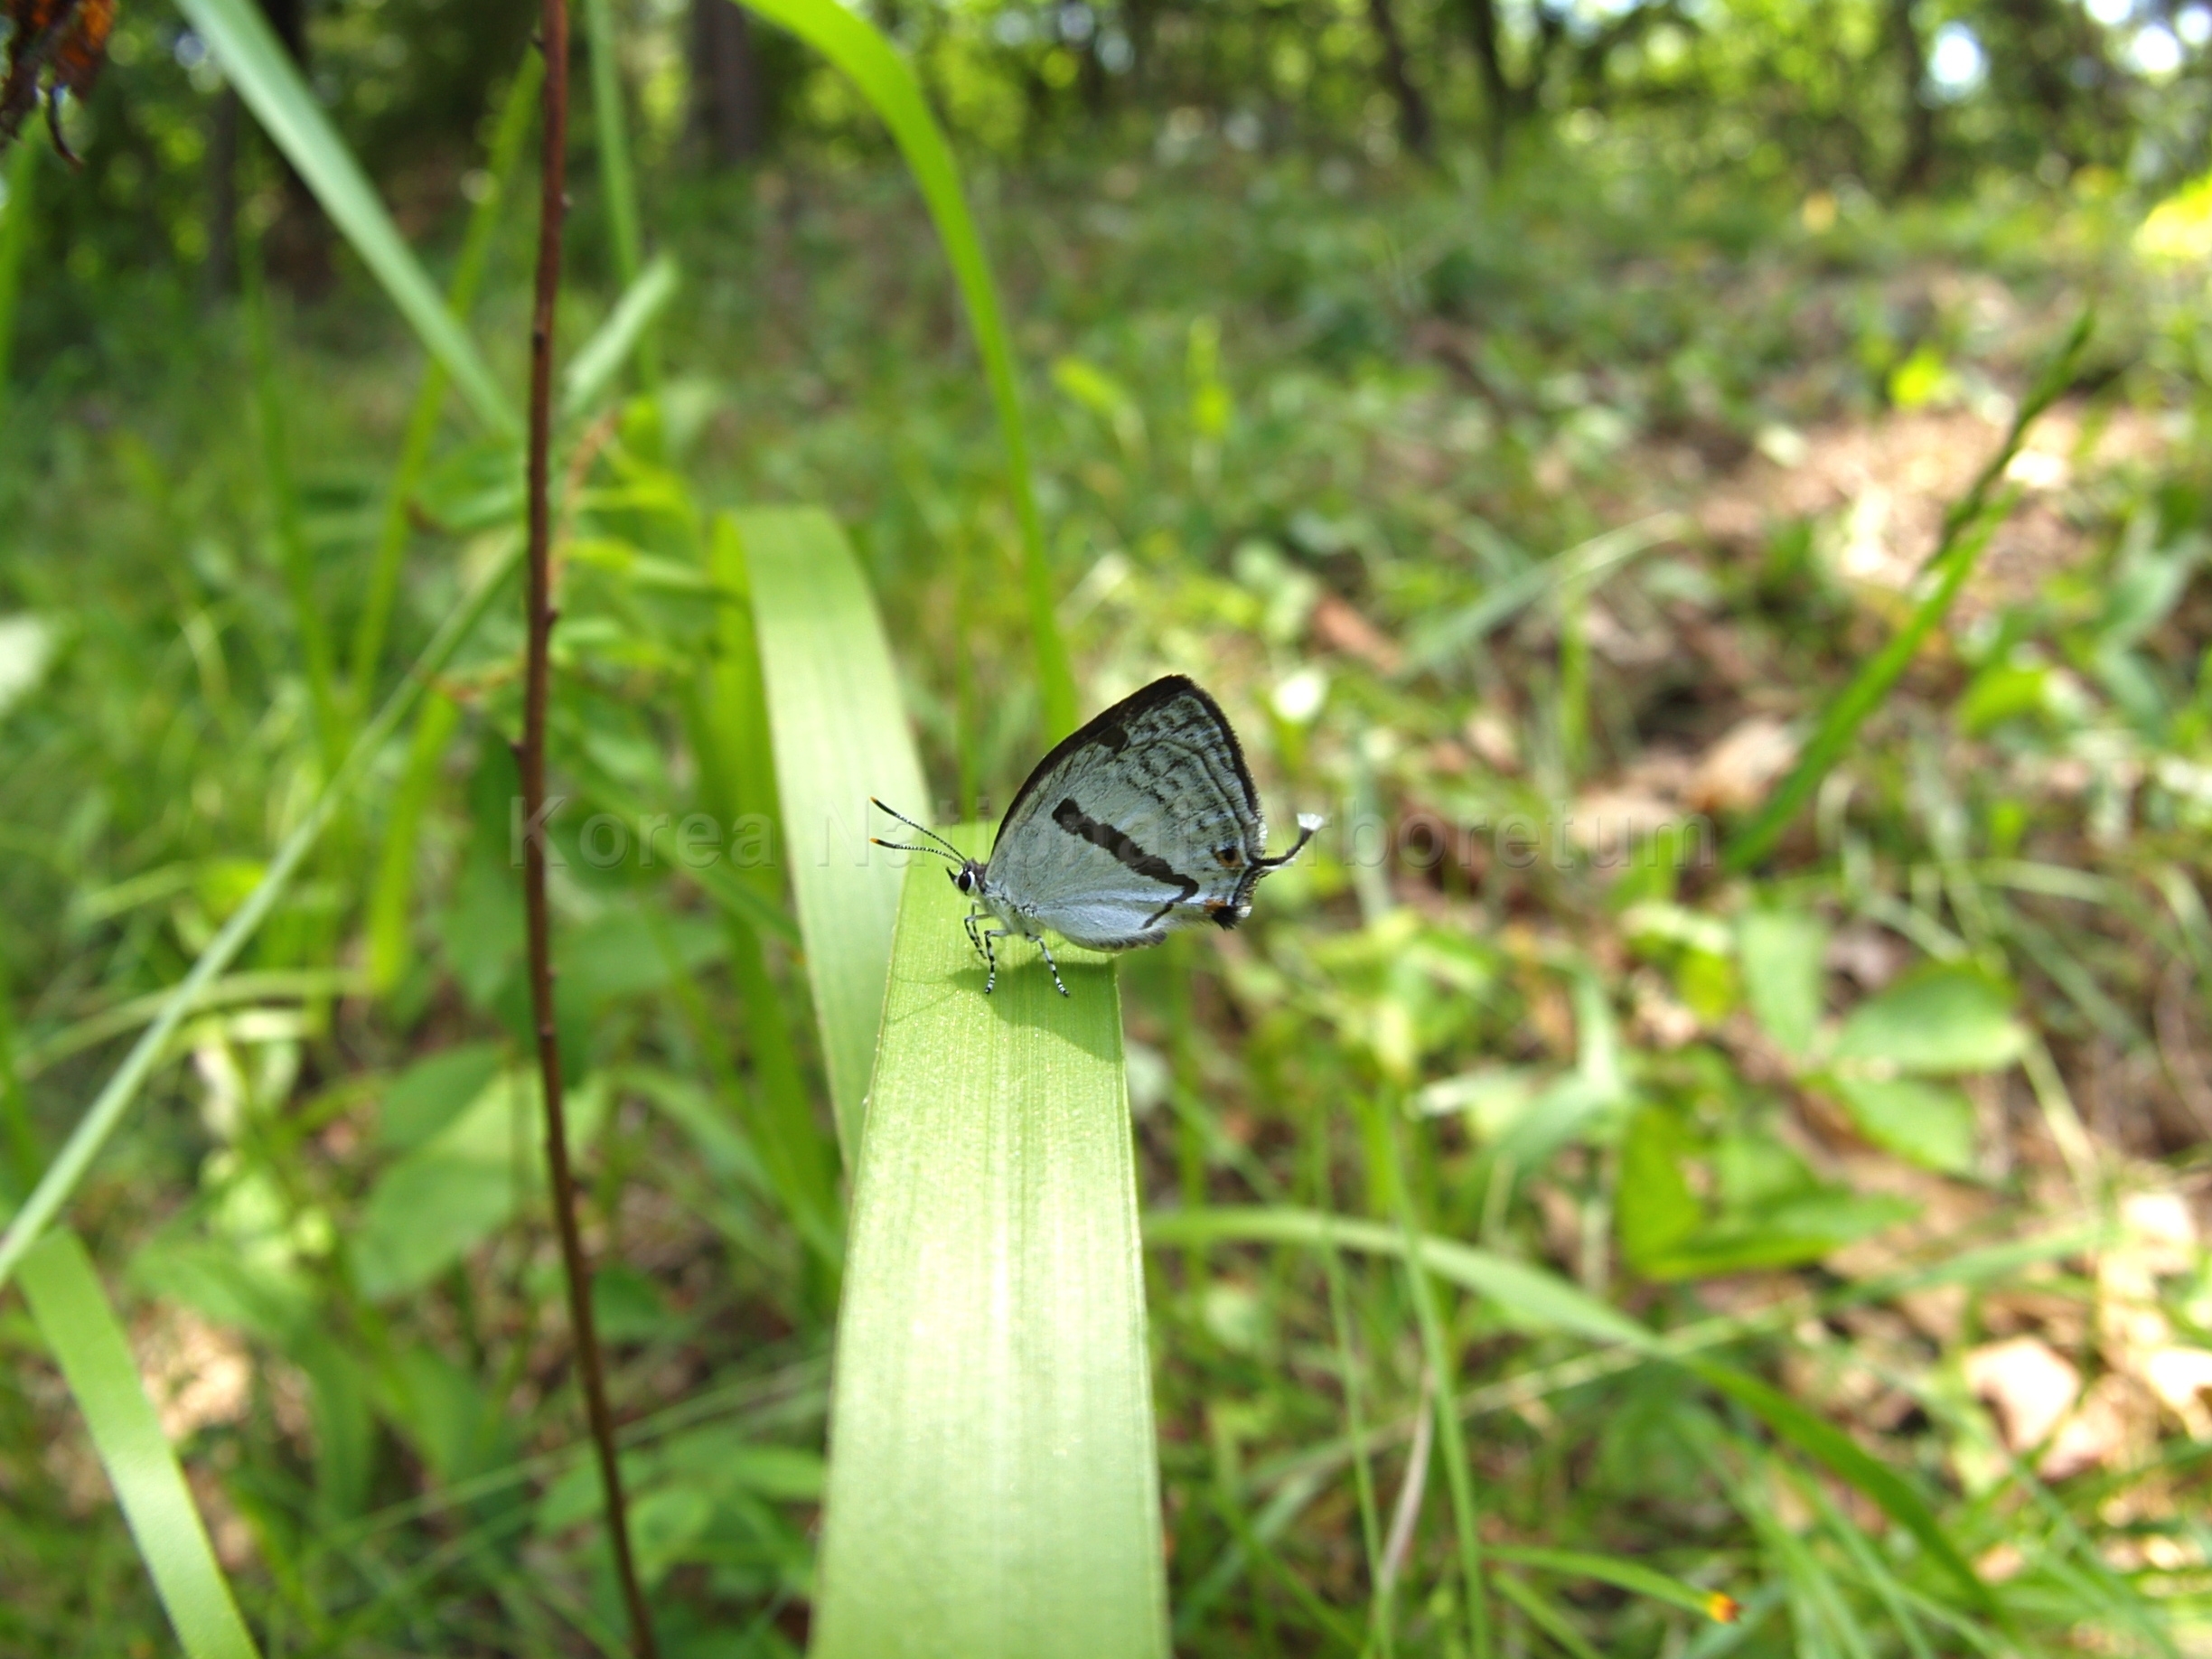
[531, 755]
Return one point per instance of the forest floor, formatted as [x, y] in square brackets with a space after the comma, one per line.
[1526, 533]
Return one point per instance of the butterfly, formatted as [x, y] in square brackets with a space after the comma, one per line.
[1143, 821]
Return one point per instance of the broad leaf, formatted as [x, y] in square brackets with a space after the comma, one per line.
[1941, 1018]
[1932, 1124]
[1780, 951]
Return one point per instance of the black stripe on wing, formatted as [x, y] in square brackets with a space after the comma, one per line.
[1150, 865]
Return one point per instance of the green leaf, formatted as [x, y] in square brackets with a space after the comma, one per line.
[80, 1327]
[993, 1477]
[256, 62]
[839, 735]
[1930, 1124]
[1780, 951]
[433, 1091]
[1653, 1208]
[457, 1188]
[1532, 1298]
[1940, 1019]
[887, 82]
[1829, 1445]
[114, 1100]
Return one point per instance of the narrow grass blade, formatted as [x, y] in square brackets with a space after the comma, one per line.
[272, 984]
[115, 1100]
[1583, 564]
[1966, 529]
[601, 357]
[1545, 1616]
[518, 110]
[16, 220]
[1631, 1575]
[617, 179]
[19, 1157]
[1829, 1445]
[840, 736]
[391, 898]
[888, 83]
[291, 530]
[74, 1316]
[1530, 1295]
[993, 1480]
[1441, 1356]
[257, 64]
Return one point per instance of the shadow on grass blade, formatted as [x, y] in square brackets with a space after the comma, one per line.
[993, 1477]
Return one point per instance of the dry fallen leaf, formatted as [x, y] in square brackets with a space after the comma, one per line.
[2181, 1378]
[1336, 627]
[1736, 773]
[2028, 1384]
[2096, 1436]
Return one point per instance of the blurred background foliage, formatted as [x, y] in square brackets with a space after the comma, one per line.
[1521, 415]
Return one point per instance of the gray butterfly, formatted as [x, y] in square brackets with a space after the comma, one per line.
[1144, 821]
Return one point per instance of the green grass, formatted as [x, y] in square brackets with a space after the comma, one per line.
[1694, 1312]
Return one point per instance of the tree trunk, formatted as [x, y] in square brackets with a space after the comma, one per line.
[1414, 127]
[221, 274]
[1916, 166]
[1497, 91]
[725, 90]
[298, 246]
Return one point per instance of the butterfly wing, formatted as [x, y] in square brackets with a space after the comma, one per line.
[1142, 822]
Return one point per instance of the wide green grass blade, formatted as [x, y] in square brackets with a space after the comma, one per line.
[888, 83]
[839, 735]
[74, 1316]
[115, 1100]
[993, 1480]
[257, 64]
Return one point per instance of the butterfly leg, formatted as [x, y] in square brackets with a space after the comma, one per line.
[991, 956]
[1050, 965]
[968, 921]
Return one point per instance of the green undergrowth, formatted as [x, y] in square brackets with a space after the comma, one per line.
[1630, 1238]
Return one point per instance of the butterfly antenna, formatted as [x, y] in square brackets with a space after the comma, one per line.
[943, 849]
[1308, 822]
